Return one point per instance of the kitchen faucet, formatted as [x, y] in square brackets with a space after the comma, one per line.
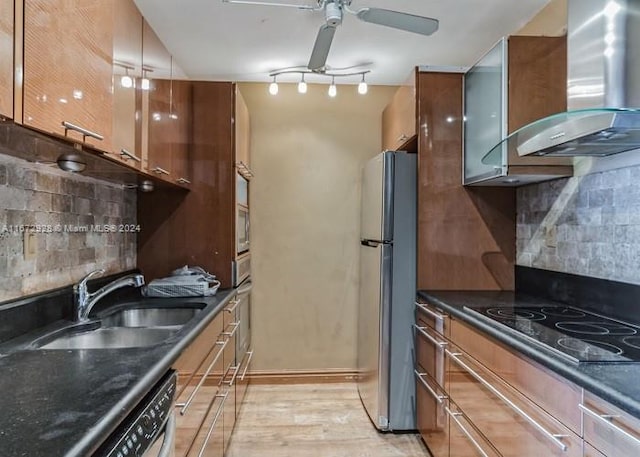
[85, 300]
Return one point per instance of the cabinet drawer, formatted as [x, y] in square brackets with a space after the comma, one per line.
[430, 354]
[609, 429]
[198, 397]
[209, 440]
[432, 417]
[591, 452]
[554, 394]
[430, 315]
[512, 423]
[465, 439]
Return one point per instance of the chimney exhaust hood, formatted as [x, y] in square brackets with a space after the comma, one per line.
[603, 87]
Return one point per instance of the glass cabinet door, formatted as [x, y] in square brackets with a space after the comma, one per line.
[485, 116]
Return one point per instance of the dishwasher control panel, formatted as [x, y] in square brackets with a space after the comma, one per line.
[141, 428]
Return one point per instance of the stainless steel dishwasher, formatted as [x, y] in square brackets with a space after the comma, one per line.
[150, 430]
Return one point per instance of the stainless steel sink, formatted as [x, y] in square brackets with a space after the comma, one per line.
[149, 317]
[109, 338]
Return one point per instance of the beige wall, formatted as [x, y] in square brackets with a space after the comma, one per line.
[550, 21]
[307, 152]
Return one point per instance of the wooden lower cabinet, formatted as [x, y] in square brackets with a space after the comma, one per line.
[465, 440]
[611, 431]
[433, 420]
[209, 441]
[6, 56]
[515, 426]
[591, 452]
[243, 380]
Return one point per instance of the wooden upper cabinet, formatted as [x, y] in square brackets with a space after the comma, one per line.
[156, 110]
[68, 68]
[400, 118]
[242, 130]
[180, 118]
[6, 58]
[127, 73]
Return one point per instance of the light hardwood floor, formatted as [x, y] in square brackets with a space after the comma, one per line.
[313, 420]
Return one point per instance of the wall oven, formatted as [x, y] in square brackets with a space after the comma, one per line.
[150, 430]
[242, 214]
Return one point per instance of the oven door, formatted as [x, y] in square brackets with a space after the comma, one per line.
[242, 229]
[165, 443]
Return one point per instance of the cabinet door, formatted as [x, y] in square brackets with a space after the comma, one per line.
[432, 417]
[127, 71]
[465, 440]
[68, 48]
[180, 118]
[609, 429]
[242, 129]
[591, 452]
[514, 426]
[6, 58]
[209, 440]
[399, 119]
[156, 100]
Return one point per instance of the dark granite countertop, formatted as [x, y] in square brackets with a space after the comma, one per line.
[614, 382]
[67, 402]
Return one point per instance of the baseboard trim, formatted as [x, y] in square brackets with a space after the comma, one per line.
[302, 376]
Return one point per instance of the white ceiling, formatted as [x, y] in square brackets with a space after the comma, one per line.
[212, 40]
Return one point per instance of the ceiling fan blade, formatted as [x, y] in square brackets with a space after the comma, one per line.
[398, 20]
[321, 48]
[261, 3]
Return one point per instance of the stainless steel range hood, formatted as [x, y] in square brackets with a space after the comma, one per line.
[603, 87]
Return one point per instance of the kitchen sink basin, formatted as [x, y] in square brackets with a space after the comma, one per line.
[107, 338]
[149, 317]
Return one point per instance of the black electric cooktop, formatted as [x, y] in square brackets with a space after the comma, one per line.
[576, 334]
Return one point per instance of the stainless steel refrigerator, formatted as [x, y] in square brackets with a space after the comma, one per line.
[387, 290]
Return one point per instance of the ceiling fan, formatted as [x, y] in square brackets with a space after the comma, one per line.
[333, 12]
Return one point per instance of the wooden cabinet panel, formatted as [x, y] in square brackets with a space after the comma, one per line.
[156, 106]
[609, 429]
[6, 58]
[552, 393]
[430, 355]
[466, 237]
[399, 119]
[591, 452]
[515, 426]
[242, 130]
[432, 417]
[68, 67]
[127, 61]
[231, 375]
[209, 438]
[465, 440]
[243, 380]
[180, 118]
[200, 370]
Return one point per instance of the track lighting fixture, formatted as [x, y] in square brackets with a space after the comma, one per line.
[333, 74]
[302, 86]
[363, 88]
[273, 87]
[333, 90]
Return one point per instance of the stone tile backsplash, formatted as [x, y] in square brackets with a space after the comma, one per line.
[71, 218]
[587, 225]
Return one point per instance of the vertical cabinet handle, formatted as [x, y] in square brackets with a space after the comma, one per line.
[213, 424]
[422, 331]
[607, 419]
[435, 315]
[438, 398]
[185, 406]
[454, 417]
[126, 155]
[244, 373]
[555, 438]
[84, 132]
